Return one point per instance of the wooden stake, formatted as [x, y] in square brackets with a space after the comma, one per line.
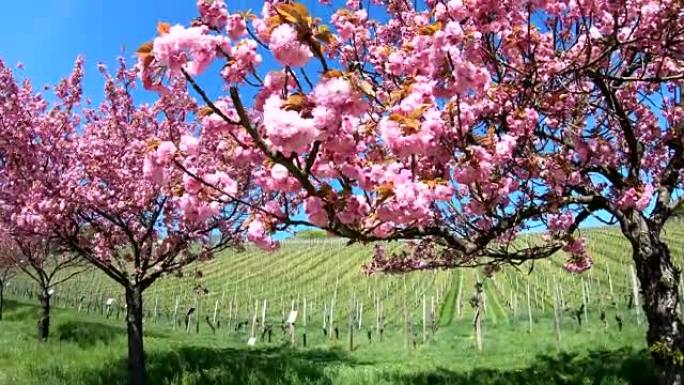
[424, 319]
[458, 296]
[433, 316]
[377, 315]
[263, 317]
[529, 308]
[175, 312]
[360, 314]
[406, 316]
[304, 315]
[230, 316]
[216, 307]
[198, 314]
[351, 329]
[331, 319]
[556, 315]
[254, 319]
[610, 287]
[681, 291]
[585, 302]
[477, 320]
[635, 293]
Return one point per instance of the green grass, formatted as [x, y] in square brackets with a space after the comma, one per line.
[86, 350]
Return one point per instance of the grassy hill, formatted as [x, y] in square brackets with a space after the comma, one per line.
[327, 273]
[521, 342]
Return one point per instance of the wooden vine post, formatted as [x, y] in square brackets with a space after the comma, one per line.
[477, 302]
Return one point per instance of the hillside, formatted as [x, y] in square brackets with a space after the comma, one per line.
[389, 342]
[325, 273]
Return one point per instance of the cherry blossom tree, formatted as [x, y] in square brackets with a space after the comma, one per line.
[35, 144]
[458, 124]
[112, 184]
[47, 266]
[139, 229]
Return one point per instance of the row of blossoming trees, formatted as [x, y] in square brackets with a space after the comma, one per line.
[458, 124]
[72, 191]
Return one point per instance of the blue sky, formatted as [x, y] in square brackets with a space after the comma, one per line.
[47, 35]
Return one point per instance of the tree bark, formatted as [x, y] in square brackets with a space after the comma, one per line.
[44, 316]
[659, 281]
[136, 353]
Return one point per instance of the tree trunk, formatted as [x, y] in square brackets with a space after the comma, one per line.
[136, 354]
[659, 288]
[44, 316]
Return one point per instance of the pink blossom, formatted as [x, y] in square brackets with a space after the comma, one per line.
[578, 264]
[316, 212]
[196, 211]
[384, 230]
[191, 184]
[213, 13]
[279, 172]
[222, 181]
[274, 209]
[287, 129]
[354, 209]
[286, 47]
[579, 260]
[244, 59]
[257, 233]
[561, 222]
[190, 48]
[644, 197]
[334, 92]
[165, 152]
[639, 199]
[236, 26]
[189, 144]
[153, 171]
[505, 146]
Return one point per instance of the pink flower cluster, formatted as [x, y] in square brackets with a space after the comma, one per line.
[156, 163]
[287, 130]
[278, 179]
[410, 200]
[636, 198]
[213, 13]
[315, 210]
[195, 210]
[286, 47]
[244, 59]
[236, 26]
[561, 222]
[257, 233]
[579, 260]
[192, 49]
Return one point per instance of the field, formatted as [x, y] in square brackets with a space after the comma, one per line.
[542, 327]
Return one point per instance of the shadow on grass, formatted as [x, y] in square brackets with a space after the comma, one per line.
[86, 334]
[18, 311]
[205, 366]
[623, 366]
